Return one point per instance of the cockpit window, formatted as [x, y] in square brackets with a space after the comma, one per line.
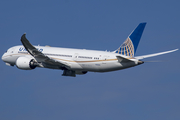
[10, 50]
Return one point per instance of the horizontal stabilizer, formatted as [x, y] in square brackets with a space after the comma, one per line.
[122, 59]
[155, 54]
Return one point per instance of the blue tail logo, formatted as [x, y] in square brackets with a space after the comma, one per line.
[129, 47]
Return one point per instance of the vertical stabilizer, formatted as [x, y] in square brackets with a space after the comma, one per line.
[130, 45]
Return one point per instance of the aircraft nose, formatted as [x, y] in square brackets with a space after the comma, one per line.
[3, 57]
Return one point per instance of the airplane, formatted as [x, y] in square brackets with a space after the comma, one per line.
[78, 61]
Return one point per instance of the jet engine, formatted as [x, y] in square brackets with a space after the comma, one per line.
[25, 63]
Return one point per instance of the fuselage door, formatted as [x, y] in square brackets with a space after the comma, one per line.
[75, 57]
[104, 57]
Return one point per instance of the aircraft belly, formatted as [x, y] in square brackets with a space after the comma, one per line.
[100, 67]
[75, 66]
[110, 66]
[89, 66]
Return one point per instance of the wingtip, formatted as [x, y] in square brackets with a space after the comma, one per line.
[23, 37]
[176, 49]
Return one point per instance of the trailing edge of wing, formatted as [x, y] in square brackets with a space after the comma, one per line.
[39, 56]
[155, 54]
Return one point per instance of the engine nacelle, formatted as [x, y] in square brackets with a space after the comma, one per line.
[25, 63]
[80, 72]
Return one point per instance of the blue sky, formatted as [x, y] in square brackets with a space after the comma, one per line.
[146, 92]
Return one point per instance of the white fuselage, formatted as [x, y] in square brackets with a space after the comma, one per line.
[77, 59]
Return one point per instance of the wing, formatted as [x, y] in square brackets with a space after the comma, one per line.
[155, 54]
[39, 56]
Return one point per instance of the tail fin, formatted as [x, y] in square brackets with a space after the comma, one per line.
[130, 45]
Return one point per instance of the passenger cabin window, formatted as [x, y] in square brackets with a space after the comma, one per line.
[84, 57]
[58, 55]
[96, 58]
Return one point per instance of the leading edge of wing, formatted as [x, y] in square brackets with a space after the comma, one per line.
[39, 56]
[30, 48]
[155, 54]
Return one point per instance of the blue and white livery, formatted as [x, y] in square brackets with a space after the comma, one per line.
[77, 61]
[128, 48]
